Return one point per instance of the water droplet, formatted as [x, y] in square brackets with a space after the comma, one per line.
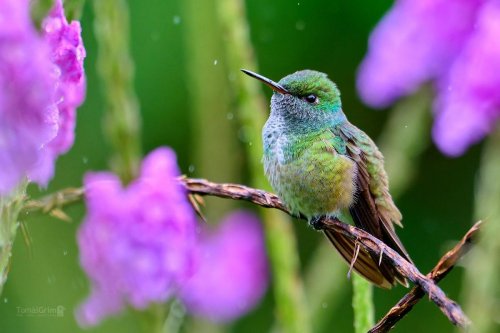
[245, 134]
[155, 36]
[215, 62]
[406, 126]
[5, 300]
[324, 305]
[176, 20]
[191, 168]
[85, 160]
[250, 143]
[65, 253]
[298, 3]
[300, 25]
[229, 116]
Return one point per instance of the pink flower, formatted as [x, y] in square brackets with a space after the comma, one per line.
[136, 243]
[468, 103]
[232, 273]
[66, 53]
[33, 92]
[139, 245]
[453, 43]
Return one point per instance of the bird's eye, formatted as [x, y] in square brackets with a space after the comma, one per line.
[313, 99]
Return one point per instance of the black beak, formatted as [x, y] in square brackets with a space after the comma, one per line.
[273, 85]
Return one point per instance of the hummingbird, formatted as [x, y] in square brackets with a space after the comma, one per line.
[319, 164]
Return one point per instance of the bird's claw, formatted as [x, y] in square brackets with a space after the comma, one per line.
[317, 223]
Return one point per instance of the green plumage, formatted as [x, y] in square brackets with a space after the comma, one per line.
[323, 180]
[320, 164]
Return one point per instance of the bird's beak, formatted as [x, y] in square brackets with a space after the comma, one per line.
[273, 85]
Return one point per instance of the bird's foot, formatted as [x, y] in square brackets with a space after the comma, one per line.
[317, 223]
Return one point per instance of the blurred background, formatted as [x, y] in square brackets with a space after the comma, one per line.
[183, 83]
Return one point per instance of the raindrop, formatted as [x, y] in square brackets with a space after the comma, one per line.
[176, 20]
[229, 116]
[324, 305]
[215, 62]
[155, 36]
[300, 25]
[5, 300]
[85, 160]
[65, 253]
[250, 143]
[406, 126]
[191, 168]
[244, 134]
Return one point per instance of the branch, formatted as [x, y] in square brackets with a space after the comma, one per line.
[367, 241]
[373, 245]
[233, 191]
[443, 267]
[53, 203]
[364, 239]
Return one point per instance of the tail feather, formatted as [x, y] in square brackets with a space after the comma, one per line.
[383, 275]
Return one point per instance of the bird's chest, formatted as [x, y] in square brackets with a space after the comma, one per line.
[312, 179]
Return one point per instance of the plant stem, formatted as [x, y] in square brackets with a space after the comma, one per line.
[122, 117]
[217, 154]
[404, 137]
[73, 9]
[481, 284]
[115, 67]
[10, 206]
[362, 303]
[291, 308]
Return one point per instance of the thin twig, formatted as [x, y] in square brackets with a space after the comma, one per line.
[233, 191]
[367, 241]
[52, 202]
[375, 246]
[443, 267]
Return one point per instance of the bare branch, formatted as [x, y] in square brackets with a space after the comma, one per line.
[443, 267]
[233, 191]
[424, 284]
[369, 243]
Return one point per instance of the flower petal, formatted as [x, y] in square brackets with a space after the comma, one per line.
[415, 42]
[136, 243]
[232, 272]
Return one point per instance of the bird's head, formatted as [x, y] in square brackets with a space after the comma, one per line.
[307, 97]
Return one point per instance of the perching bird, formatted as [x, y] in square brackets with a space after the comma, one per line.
[321, 165]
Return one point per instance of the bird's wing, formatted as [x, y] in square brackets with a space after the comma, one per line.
[373, 209]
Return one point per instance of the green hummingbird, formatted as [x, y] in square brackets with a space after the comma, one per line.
[320, 164]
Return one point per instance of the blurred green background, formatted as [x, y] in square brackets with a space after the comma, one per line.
[330, 36]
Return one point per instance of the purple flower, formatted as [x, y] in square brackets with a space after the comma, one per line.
[453, 43]
[232, 273]
[136, 243]
[139, 245]
[34, 92]
[66, 53]
[468, 103]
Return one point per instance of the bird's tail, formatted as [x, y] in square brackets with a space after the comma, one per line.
[374, 270]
